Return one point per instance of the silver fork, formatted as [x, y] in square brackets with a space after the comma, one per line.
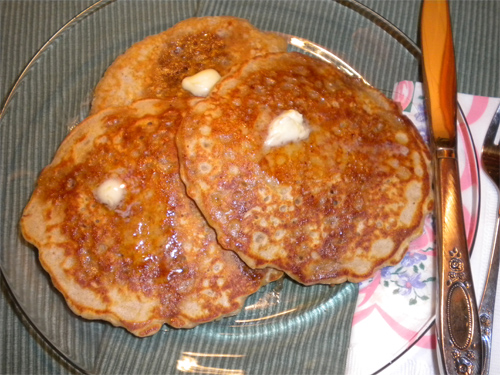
[490, 156]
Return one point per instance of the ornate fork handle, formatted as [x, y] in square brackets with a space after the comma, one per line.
[490, 157]
[487, 306]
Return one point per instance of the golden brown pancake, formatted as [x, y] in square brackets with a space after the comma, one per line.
[336, 206]
[144, 259]
[156, 66]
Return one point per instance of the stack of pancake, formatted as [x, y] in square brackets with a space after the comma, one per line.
[172, 205]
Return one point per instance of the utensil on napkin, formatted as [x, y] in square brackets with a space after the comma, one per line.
[490, 157]
[458, 330]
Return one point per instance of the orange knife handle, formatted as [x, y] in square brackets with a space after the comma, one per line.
[459, 335]
[439, 67]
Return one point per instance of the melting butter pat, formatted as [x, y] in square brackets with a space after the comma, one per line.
[201, 83]
[111, 192]
[285, 128]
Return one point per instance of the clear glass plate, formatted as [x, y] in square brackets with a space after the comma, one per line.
[53, 95]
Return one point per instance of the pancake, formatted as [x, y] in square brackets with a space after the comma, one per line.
[118, 235]
[340, 200]
[156, 66]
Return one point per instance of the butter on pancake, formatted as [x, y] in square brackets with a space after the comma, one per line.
[118, 235]
[201, 83]
[156, 66]
[339, 197]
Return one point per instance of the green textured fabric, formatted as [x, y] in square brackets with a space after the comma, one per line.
[25, 25]
[475, 35]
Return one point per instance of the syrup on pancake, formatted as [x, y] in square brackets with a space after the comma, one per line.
[118, 235]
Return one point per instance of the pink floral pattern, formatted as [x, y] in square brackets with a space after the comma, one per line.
[409, 278]
[403, 94]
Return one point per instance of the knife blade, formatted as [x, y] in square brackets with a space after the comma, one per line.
[458, 329]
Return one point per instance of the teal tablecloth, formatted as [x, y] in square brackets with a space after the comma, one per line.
[25, 25]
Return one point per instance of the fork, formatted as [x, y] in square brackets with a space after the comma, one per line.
[490, 156]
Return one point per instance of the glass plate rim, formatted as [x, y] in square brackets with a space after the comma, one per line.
[355, 6]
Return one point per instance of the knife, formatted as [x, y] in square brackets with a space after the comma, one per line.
[458, 330]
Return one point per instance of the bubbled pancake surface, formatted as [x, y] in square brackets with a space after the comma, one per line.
[152, 259]
[334, 207]
[156, 66]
